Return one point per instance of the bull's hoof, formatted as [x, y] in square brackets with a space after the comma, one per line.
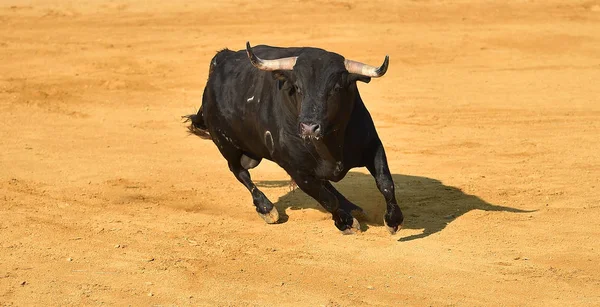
[392, 230]
[271, 217]
[352, 230]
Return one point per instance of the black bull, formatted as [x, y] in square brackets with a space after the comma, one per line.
[298, 107]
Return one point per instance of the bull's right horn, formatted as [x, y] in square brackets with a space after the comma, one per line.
[270, 65]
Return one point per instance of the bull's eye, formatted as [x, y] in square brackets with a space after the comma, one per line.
[336, 89]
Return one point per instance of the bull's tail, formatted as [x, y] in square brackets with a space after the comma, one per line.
[197, 125]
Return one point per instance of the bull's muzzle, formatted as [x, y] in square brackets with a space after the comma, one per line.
[310, 131]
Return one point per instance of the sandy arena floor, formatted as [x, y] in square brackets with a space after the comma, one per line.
[490, 114]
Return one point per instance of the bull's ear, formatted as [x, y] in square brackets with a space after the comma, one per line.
[279, 75]
[282, 78]
[357, 77]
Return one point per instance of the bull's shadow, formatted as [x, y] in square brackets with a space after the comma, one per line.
[426, 203]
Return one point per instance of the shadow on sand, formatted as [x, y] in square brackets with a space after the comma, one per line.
[426, 203]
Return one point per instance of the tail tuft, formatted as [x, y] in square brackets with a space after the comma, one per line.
[197, 125]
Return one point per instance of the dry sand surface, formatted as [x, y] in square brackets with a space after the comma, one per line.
[490, 115]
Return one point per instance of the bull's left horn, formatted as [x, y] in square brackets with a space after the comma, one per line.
[367, 70]
[270, 65]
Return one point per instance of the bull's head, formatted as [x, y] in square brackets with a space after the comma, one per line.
[323, 84]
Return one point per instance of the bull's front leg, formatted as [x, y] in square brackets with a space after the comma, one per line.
[378, 167]
[321, 190]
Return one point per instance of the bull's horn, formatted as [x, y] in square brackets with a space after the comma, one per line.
[367, 70]
[270, 65]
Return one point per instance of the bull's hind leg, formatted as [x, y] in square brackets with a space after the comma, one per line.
[263, 205]
[378, 167]
[327, 196]
[239, 164]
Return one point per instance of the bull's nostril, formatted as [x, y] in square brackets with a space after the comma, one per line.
[316, 129]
